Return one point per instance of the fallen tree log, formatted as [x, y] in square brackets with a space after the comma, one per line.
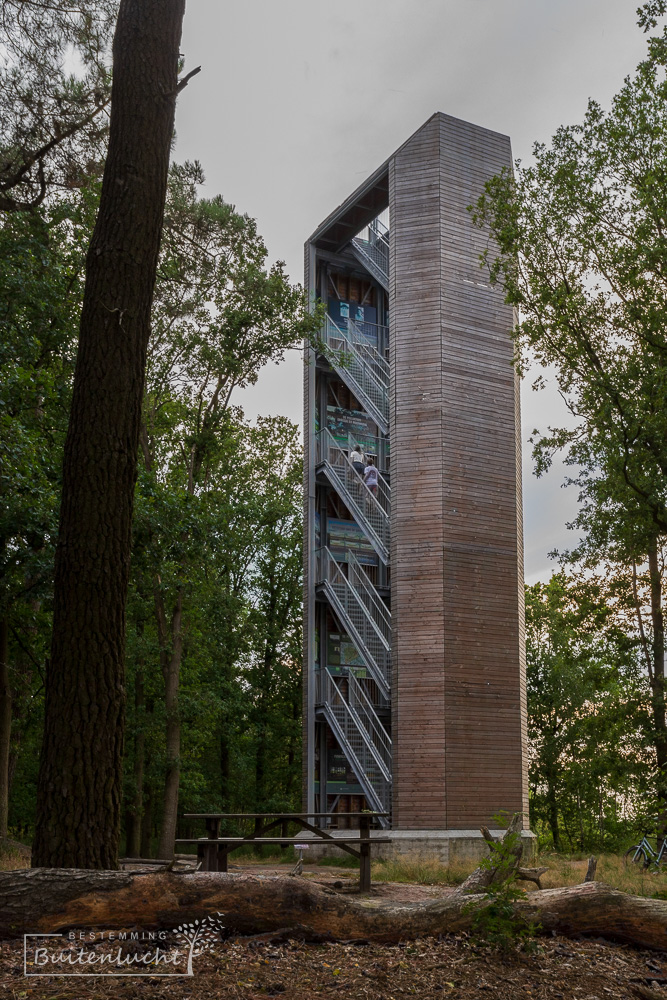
[44, 900]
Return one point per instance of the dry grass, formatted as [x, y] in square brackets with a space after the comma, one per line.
[420, 870]
[13, 855]
[423, 870]
[611, 869]
[562, 871]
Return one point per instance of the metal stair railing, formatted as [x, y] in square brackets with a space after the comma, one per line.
[369, 444]
[378, 229]
[378, 365]
[355, 619]
[362, 504]
[374, 259]
[378, 612]
[360, 713]
[375, 333]
[373, 253]
[383, 495]
[378, 737]
[359, 376]
[354, 743]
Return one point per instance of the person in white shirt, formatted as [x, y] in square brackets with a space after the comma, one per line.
[371, 476]
[357, 459]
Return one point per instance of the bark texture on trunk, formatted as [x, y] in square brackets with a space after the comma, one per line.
[79, 788]
[137, 811]
[49, 902]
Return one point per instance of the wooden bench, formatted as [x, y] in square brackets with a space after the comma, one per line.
[213, 850]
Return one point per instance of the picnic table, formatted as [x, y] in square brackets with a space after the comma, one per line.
[213, 849]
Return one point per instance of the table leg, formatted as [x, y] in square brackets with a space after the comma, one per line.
[222, 857]
[365, 852]
[365, 868]
[212, 830]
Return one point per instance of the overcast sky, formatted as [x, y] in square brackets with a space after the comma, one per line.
[299, 100]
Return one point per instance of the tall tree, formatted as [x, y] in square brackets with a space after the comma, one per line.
[42, 254]
[220, 315]
[579, 246]
[53, 121]
[79, 788]
[619, 535]
[587, 724]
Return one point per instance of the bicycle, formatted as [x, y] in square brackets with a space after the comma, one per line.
[643, 853]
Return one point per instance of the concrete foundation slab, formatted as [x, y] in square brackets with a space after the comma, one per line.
[446, 846]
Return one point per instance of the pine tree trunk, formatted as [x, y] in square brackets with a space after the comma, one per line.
[5, 725]
[134, 834]
[80, 783]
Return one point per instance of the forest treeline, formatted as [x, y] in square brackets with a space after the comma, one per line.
[213, 625]
[213, 646]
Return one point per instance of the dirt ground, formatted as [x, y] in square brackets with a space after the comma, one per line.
[454, 966]
[346, 880]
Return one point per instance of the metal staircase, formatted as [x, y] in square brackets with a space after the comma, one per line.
[368, 351]
[373, 253]
[350, 604]
[377, 611]
[383, 495]
[354, 706]
[370, 512]
[361, 736]
[358, 364]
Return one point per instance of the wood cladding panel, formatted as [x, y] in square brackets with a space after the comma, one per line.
[458, 702]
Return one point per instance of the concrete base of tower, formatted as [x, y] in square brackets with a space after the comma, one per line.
[445, 846]
[448, 846]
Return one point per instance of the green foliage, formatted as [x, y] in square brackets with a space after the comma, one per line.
[337, 861]
[581, 255]
[579, 247]
[217, 531]
[589, 728]
[53, 125]
[41, 281]
[217, 509]
[496, 921]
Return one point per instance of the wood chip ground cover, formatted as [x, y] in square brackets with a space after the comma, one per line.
[454, 967]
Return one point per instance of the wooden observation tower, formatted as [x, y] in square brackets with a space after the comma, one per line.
[414, 663]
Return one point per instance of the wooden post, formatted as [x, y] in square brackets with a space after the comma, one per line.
[213, 832]
[222, 857]
[365, 854]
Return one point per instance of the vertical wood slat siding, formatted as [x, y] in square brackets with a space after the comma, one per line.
[458, 717]
[419, 727]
